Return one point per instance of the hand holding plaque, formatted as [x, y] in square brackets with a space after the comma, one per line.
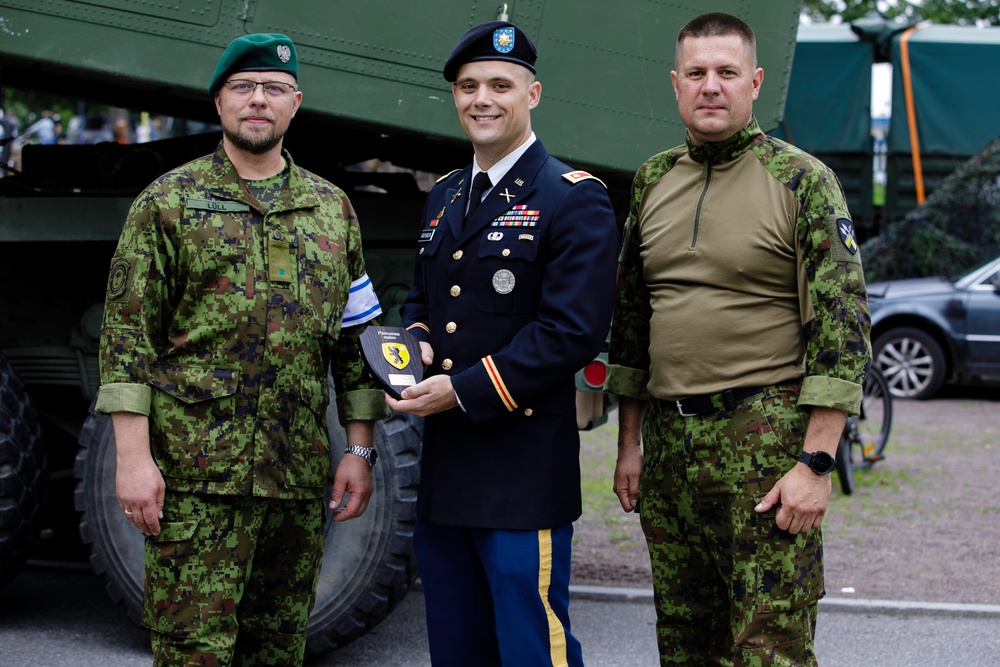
[392, 355]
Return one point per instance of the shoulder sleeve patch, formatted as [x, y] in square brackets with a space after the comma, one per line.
[575, 177]
[843, 240]
[447, 175]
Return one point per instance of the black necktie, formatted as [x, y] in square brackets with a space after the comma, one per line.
[479, 185]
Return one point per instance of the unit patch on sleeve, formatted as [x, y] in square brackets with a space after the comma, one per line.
[846, 229]
[120, 278]
[847, 250]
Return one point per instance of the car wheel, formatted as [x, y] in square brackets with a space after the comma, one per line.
[911, 361]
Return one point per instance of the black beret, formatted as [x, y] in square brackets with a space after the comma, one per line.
[262, 52]
[496, 40]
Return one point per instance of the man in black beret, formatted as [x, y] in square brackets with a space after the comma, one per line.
[512, 294]
[231, 278]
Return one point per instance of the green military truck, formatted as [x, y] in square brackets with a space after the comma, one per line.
[371, 76]
[932, 127]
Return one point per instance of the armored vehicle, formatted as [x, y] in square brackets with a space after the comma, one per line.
[373, 94]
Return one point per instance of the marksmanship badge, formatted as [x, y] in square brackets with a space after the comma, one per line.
[392, 355]
[503, 40]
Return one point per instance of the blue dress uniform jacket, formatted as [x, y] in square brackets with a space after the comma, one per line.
[513, 302]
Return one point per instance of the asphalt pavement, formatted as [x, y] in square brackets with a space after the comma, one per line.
[62, 617]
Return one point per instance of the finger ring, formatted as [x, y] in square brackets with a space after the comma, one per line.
[128, 513]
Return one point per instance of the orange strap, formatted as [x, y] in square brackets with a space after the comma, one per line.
[911, 113]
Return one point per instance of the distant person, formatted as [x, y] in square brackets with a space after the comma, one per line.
[43, 130]
[8, 132]
[237, 283]
[512, 294]
[739, 347]
[96, 130]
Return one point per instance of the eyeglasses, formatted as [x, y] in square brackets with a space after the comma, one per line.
[246, 87]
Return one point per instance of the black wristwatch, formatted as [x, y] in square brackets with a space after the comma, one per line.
[820, 462]
[367, 453]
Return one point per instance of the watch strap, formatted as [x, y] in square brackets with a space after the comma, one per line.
[819, 462]
[367, 453]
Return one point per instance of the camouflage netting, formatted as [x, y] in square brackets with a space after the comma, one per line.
[957, 228]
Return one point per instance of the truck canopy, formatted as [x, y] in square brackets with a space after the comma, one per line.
[375, 66]
[828, 111]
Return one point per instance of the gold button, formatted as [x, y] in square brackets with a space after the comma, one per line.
[528, 412]
[446, 365]
[506, 252]
[451, 327]
[421, 251]
[455, 290]
[457, 254]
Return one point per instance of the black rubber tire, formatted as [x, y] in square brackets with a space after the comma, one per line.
[912, 362]
[116, 547]
[844, 465]
[874, 422]
[22, 473]
[368, 563]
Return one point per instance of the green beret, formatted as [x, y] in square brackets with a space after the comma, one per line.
[262, 52]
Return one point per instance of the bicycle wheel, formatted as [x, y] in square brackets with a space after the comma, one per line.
[844, 465]
[872, 425]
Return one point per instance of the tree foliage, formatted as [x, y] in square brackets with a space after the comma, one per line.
[959, 12]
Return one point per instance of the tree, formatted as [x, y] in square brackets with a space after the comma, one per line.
[959, 12]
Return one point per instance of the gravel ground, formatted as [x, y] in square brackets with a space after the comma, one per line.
[923, 525]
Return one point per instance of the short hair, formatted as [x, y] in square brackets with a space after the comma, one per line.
[717, 24]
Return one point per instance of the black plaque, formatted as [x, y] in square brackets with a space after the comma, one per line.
[392, 355]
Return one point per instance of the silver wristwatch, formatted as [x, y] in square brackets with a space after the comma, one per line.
[367, 453]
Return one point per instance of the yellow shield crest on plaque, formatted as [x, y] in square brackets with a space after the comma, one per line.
[396, 354]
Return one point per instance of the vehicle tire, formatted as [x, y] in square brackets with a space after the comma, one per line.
[844, 464]
[22, 473]
[368, 563]
[912, 362]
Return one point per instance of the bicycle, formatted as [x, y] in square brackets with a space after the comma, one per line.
[865, 435]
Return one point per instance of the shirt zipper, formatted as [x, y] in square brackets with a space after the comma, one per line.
[706, 171]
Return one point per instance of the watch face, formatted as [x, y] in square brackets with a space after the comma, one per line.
[374, 457]
[822, 463]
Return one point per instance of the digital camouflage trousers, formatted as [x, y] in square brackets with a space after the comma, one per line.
[730, 587]
[231, 580]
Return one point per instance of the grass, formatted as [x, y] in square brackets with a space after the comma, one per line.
[598, 455]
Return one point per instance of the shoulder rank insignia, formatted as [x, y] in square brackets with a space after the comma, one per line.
[447, 175]
[575, 177]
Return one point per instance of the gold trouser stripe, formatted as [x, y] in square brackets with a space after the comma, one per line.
[557, 635]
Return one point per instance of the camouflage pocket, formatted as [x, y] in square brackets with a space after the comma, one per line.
[788, 568]
[192, 420]
[784, 424]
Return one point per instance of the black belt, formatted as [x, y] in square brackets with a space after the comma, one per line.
[708, 404]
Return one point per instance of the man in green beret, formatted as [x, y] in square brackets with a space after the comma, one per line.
[238, 281]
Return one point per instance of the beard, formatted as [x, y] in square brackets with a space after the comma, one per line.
[255, 143]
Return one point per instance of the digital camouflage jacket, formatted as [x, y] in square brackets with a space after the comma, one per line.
[739, 268]
[220, 324]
